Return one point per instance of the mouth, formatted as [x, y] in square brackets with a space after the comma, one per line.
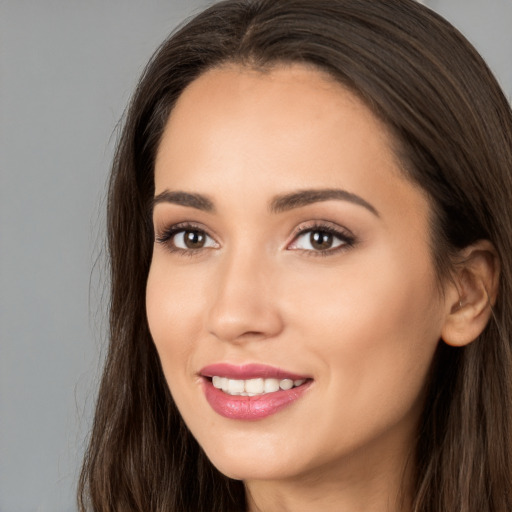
[253, 387]
[251, 392]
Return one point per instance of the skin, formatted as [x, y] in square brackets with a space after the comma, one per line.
[362, 319]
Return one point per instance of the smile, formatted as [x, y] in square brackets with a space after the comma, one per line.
[254, 387]
[251, 392]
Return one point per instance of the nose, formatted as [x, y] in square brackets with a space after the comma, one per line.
[244, 303]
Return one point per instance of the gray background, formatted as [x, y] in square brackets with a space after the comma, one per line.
[67, 69]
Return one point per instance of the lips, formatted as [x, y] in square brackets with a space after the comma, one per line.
[252, 391]
[248, 371]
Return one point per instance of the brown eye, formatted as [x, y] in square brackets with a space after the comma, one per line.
[194, 239]
[188, 239]
[321, 240]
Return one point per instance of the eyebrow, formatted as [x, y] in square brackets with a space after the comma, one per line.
[279, 204]
[302, 198]
[197, 201]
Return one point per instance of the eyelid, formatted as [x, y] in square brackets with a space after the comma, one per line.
[340, 232]
[165, 234]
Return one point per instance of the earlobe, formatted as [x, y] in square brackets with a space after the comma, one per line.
[474, 292]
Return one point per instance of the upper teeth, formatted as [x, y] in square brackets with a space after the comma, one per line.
[251, 387]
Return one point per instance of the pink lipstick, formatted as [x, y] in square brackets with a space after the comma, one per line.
[252, 391]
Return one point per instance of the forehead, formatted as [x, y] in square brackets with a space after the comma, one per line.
[239, 130]
[239, 106]
[303, 92]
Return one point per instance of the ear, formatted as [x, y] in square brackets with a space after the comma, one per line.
[472, 294]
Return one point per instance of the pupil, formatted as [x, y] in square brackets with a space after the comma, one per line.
[321, 240]
[194, 239]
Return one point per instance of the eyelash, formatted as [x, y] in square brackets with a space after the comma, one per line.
[342, 234]
[346, 238]
[166, 237]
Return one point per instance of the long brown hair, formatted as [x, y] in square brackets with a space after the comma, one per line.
[453, 131]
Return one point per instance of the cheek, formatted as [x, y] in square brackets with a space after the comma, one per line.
[375, 327]
[173, 307]
[378, 296]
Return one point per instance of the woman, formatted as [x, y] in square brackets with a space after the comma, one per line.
[310, 237]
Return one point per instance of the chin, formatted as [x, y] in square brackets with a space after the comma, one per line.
[246, 470]
[255, 461]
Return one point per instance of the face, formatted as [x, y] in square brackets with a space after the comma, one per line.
[292, 270]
